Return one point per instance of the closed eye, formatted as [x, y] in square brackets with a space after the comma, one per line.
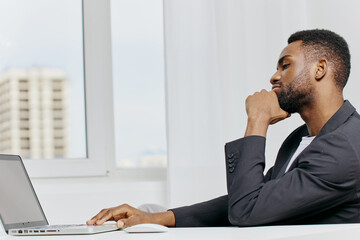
[285, 66]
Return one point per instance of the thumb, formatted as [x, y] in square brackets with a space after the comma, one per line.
[127, 222]
[120, 224]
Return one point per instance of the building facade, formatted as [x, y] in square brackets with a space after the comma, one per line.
[33, 113]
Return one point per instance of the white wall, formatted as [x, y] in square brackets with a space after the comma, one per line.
[219, 52]
[75, 200]
[343, 18]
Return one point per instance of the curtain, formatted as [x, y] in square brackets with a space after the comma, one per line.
[217, 52]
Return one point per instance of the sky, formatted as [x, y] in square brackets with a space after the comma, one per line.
[48, 33]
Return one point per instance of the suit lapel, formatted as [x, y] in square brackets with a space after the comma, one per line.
[292, 141]
[287, 149]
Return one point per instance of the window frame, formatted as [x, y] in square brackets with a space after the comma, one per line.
[99, 117]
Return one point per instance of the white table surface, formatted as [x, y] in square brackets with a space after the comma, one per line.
[318, 232]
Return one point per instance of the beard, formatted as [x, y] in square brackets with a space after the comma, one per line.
[297, 94]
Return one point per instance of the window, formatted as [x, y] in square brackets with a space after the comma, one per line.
[56, 86]
[139, 85]
[41, 72]
[48, 115]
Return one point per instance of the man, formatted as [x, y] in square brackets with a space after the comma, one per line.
[316, 176]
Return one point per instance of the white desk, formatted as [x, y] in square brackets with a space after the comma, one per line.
[318, 232]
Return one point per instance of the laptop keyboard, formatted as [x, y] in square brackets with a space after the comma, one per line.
[59, 226]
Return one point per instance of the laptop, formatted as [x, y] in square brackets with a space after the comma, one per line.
[20, 209]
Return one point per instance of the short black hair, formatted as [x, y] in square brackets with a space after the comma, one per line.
[324, 43]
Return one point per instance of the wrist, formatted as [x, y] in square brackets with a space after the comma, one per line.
[165, 218]
[257, 126]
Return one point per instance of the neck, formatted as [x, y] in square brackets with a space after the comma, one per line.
[319, 113]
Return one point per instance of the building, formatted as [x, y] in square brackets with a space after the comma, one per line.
[33, 113]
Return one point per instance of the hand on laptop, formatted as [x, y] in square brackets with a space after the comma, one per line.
[126, 216]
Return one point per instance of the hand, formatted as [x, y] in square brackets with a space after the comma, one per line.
[263, 109]
[126, 216]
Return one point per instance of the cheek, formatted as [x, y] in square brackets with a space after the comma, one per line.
[287, 77]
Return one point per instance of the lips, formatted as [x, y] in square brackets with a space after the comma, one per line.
[276, 86]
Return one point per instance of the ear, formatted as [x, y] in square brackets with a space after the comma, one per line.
[321, 69]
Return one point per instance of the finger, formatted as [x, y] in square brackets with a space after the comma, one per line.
[280, 118]
[90, 222]
[105, 217]
[115, 214]
[93, 220]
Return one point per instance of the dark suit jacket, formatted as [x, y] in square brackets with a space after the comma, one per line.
[321, 186]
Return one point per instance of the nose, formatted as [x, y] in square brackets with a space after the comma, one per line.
[275, 78]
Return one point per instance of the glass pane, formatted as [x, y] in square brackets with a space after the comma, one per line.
[138, 72]
[42, 107]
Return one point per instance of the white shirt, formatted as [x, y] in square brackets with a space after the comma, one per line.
[303, 144]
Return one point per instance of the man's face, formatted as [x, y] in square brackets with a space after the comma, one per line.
[292, 80]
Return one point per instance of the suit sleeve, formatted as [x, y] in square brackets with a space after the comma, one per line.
[206, 214]
[213, 213]
[318, 183]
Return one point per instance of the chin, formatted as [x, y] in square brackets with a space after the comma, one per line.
[277, 91]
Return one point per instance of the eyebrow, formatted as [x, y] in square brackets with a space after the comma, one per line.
[281, 60]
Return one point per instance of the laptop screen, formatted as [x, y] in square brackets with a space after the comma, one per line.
[19, 205]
